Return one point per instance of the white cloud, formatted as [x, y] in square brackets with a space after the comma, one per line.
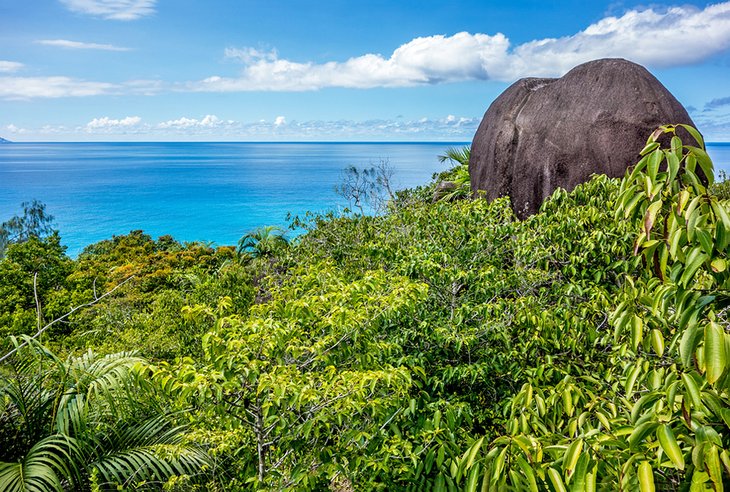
[657, 38]
[9, 66]
[16, 130]
[65, 43]
[208, 121]
[248, 54]
[449, 128]
[112, 9]
[280, 120]
[47, 87]
[109, 125]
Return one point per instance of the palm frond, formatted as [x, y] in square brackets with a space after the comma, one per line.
[455, 155]
[152, 450]
[44, 466]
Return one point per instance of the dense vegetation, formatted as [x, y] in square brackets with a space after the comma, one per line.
[441, 345]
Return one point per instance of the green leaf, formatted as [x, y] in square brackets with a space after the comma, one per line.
[692, 390]
[473, 480]
[705, 163]
[690, 340]
[695, 134]
[472, 453]
[527, 472]
[694, 261]
[652, 167]
[556, 480]
[715, 357]
[657, 342]
[646, 477]
[571, 456]
[669, 444]
[712, 464]
[640, 432]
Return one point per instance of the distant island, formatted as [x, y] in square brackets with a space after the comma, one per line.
[2, 140]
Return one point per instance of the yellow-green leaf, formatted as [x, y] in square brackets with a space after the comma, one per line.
[669, 444]
[646, 477]
[572, 455]
[657, 342]
[714, 351]
[555, 479]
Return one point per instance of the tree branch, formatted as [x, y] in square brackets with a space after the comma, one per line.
[61, 318]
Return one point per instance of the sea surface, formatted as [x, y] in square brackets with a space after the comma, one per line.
[212, 192]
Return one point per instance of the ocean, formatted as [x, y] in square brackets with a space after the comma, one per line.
[212, 192]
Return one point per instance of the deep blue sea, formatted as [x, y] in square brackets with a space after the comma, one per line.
[212, 192]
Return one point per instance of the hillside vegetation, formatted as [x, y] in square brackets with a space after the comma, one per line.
[436, 346]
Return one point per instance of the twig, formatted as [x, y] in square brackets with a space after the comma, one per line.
[37, 301]
[61, 318]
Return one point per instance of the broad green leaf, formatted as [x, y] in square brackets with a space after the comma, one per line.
[715, 357]
[556, 480]
[657, 342]
[640, 433]
[712, 464]
[670, 446]
[571, 456]
[695, 134]
[688, 344]
[646, 477]
[473, 480]
[692, 390]
[528, 473]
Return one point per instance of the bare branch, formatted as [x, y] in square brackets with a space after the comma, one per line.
[61, 318]
[38, 312]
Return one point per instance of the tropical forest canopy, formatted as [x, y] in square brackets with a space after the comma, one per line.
[440, 345]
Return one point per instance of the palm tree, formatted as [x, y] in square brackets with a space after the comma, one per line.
[459, 174]
[263, 242]
[458, 156]
[80, 424]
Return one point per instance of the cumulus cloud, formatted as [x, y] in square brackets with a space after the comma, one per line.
[280, 120]
[210, 127]
[9, 66]
[78, 45]
[110, 125]
[49, 87]
[112, 9]
[657, 38]
[184, 123]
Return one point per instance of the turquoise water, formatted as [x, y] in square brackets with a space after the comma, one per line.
[193, 191]
[198, 191]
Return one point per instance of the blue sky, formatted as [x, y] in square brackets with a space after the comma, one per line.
[251, 70]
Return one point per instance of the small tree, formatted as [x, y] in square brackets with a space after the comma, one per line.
[368, 189]
[34, 222]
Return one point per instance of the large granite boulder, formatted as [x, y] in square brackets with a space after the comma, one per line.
[541, 134]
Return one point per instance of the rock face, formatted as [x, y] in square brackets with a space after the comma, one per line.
[541, 134]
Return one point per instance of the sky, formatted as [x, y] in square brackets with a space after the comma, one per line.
[330, 70]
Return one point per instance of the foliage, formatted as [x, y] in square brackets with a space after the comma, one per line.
[32, 281]
[34, 223]
[83, 423]
[306, 375]
[650, 409]
[265, 241]
[440, 346]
